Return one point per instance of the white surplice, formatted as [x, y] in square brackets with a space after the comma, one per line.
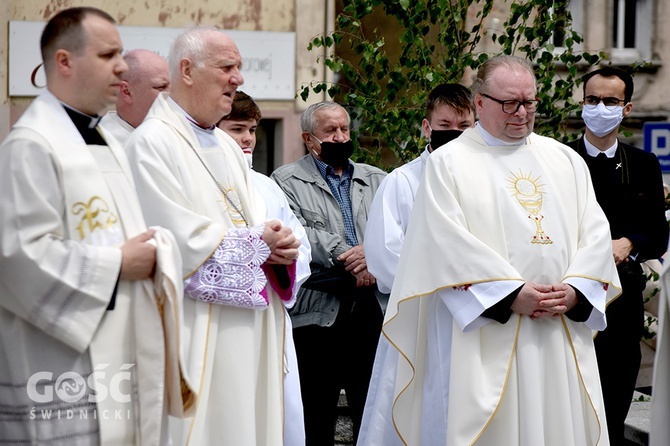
[388, 218]
[278, 207]
[115, 126]
[659, 434]
[236, 355]
[447, 375]
[66, 208]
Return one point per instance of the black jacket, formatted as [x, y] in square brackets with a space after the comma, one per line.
[629, 188]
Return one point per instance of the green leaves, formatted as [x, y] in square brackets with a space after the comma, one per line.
[388, 55]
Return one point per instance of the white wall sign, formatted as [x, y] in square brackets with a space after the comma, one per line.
[268, 57]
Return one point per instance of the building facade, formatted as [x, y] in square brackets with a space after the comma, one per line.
[629, 31]
[301, 19]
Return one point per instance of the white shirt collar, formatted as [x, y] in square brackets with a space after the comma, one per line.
[493, 141]
[593, 151]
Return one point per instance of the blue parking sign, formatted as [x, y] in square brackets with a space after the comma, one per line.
[657, 141]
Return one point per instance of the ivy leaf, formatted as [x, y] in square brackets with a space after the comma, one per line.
[388, 55]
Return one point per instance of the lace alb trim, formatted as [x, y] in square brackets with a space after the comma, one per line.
[233, 274]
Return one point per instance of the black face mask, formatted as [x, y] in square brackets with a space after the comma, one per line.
[336, 154]
[441, 137]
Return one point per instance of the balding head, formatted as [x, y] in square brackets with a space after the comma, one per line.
[147, 76]
[505, 97]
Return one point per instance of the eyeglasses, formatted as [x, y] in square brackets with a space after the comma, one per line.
[610, 103]
[512, 106]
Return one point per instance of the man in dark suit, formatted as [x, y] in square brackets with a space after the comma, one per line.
[629, 187]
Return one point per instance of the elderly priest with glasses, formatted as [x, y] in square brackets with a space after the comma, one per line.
[505, 271]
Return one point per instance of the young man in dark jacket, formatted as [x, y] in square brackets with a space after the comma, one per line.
[629, 188]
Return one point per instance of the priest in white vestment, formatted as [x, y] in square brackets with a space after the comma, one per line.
[84, 357]
[146, 77]
[239, 270]
[449, 111]
[504, 274]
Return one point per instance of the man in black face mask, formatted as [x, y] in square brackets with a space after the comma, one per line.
[449, 111]
[338, 314]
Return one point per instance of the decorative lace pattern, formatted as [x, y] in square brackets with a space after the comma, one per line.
[233, 274]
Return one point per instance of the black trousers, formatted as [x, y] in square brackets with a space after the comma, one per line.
[334, 358]
[618, 353]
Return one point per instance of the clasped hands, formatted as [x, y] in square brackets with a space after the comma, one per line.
[537, 300]
[282, 243]
[354, 262]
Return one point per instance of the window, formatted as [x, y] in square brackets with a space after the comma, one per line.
[624, 24]
[631, 29]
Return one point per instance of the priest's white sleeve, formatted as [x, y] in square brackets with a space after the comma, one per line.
[596, 293]
[467, 303]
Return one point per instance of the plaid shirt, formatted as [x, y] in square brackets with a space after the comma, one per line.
[340, 187]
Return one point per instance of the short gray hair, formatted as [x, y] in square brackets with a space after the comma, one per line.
[480, 81]
[307, 119]
[189, 45]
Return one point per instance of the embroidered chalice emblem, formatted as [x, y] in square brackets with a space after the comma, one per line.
[233, 204]
[528, 192]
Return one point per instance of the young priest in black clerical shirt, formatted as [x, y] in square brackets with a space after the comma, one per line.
[629, 188]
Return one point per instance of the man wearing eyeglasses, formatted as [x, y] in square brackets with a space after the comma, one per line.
[505, 271]
[629, 188]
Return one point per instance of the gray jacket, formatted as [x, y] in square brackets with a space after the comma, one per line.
[317, 210]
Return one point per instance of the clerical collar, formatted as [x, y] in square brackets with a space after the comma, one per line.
[81, 119]
[205, 135]
[593, 151]
[86, 125]
[493, 141]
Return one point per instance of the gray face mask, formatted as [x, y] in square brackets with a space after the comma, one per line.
[601, 120]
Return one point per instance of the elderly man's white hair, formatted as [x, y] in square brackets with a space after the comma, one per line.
[308, 120]
[189, 45]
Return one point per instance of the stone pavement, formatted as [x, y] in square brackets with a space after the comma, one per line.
[344, 434]
[637, 422]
